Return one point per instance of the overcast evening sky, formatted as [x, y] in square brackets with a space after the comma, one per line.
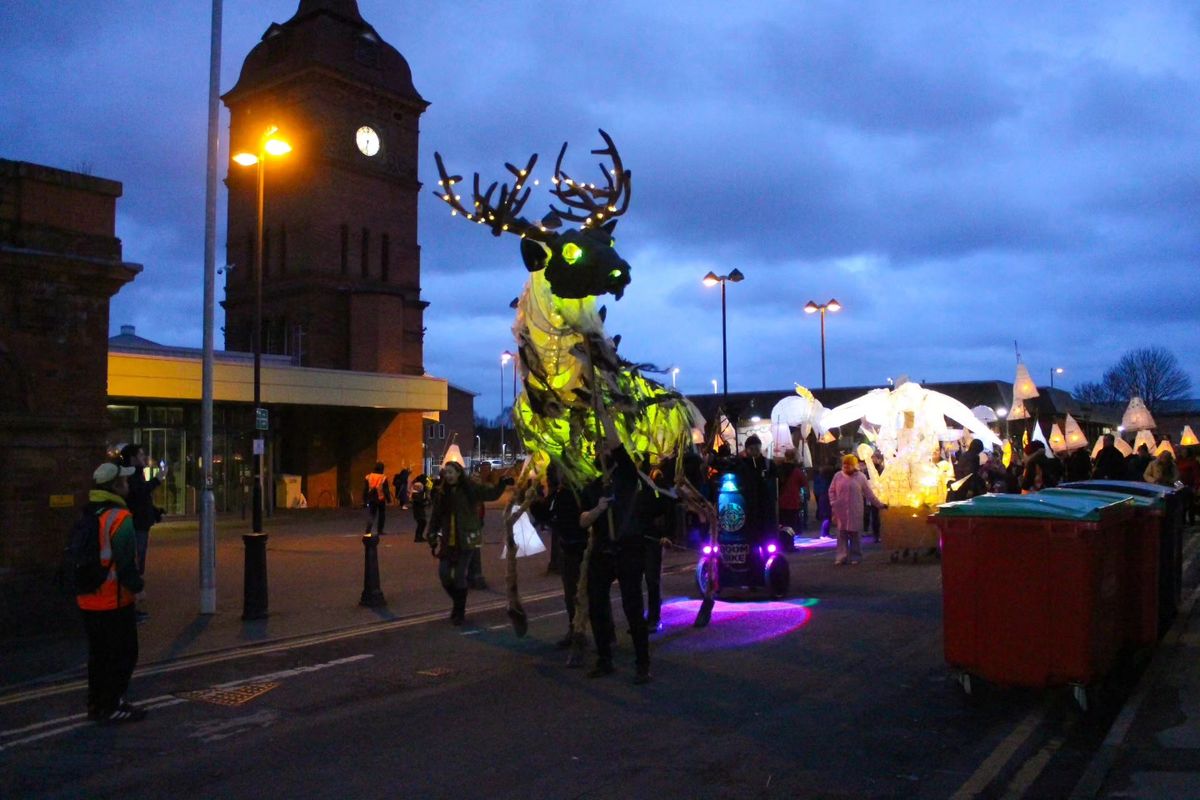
[958, 175]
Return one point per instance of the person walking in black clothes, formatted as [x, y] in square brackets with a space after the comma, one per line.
[419, 500]
[618, 553]
[376, 495]
[656, 517]
[1110, 464]
[400, 487]
[140, 502]
[456, 531]
[108, 612]
[559, 510]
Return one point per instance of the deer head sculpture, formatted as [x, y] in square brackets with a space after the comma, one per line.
[578, 262]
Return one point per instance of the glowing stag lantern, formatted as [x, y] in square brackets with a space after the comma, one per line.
[911, 423]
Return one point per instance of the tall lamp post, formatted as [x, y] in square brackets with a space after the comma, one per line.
[712, 279]
[1053, 372]
[833, 306]
[254, 596]
[505, 357]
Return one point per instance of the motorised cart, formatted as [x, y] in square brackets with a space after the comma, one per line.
[741, 557]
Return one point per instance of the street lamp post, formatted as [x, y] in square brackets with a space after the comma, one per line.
[254, 596]
[832, 306]
[712, 279]
[674, 375]
[505, 357]
[1053, 372]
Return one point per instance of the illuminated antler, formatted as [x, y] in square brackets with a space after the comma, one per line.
[505, 215]
[586, 202]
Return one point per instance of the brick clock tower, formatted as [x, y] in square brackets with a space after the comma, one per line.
[341, 264]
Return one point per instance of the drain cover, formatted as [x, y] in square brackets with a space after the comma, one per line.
[238, 695]
[435, 672]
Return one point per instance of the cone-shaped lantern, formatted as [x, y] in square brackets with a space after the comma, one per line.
[828, 438]
[1038, 436]
[1058, 442]
[1018, 411]
[1144, 438]
[452, 454]
[1187, 438]
[1096, 450]
[1023, 387]
[1122, 446]
[1164, 445]
[1137, 416]
[1074, 434]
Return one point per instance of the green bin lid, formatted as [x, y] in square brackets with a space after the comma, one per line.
[1138, 500]
[1081, 507]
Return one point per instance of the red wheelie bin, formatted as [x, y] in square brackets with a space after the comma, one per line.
[1139, 568]
[1031, 589]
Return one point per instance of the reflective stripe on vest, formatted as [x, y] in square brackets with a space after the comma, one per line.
[375, 482]
[109, 596]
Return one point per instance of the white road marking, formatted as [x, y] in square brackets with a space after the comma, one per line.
[270, 647]
[218, 729]
[1003, 753]
[68, 724]
[1032, 769]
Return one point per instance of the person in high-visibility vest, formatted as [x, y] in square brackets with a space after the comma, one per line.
[108, 612]
[376, 496]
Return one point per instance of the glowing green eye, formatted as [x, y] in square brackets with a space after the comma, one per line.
[616, 273]
[571, 252]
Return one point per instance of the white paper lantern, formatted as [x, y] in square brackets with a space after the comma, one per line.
[1058, 442]
[1187, 438]
[1023, 386]
[1137, 416]
[453, 454]
[1018, 411]
[1164, 445]
[1122, 446]
[1144, 438]
[1073, 434]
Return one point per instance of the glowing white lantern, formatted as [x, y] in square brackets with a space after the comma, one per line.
[1144, 438]
[1137, 416]
[1018, 410]
[1074, 434]
[1023, 386]
[1187, 438]
[1058, 442]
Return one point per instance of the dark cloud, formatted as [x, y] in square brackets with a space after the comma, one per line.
[957, 176]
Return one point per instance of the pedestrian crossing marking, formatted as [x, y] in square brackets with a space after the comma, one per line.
[236, 696]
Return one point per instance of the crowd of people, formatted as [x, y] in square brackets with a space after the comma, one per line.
[632, 513]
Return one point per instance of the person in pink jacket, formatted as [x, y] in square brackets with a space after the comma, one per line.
[849, 492]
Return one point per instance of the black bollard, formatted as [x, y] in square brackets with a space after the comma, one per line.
[254, 583]
[372, 595]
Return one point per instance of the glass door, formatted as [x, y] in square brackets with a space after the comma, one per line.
[166, 450]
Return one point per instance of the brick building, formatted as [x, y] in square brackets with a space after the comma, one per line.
[60, 263]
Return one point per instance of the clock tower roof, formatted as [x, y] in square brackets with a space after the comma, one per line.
[329, 34]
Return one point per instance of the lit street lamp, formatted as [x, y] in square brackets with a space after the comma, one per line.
[712, 279]
[254, 599]
[1053, 372]
[505, 357]
[832, 306]
[1002, 413]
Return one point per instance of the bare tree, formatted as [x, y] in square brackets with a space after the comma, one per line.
[1151, 373]
[1095, 392]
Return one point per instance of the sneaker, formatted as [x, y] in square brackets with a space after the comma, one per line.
[123, 713]
[841, 562]
[642, 676]
[601, 669]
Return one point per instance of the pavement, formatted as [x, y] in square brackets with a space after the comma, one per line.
[1153, 747]
[315, 563]
[315, 560]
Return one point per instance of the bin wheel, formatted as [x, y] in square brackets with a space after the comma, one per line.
[778, 578]
[1082, 696]
[704, 576]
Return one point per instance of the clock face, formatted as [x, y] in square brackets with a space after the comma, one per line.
[367, 140]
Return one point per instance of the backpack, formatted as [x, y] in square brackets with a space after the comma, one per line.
[81, 571]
